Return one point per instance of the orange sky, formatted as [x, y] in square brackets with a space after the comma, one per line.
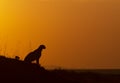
[77, 33]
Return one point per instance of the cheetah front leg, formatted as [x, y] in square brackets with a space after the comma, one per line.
[37, 61]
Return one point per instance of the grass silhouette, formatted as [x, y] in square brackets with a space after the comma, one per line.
[18, 71]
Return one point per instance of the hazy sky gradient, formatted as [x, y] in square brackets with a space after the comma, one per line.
[77, 33]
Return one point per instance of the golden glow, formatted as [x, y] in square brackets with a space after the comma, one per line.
[77, 33]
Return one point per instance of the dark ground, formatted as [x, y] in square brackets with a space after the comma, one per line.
[16, 71]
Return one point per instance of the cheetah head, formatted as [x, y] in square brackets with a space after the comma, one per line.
[42, 46]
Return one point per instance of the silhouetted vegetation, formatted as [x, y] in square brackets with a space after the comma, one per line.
[17, 71]
[17, 57]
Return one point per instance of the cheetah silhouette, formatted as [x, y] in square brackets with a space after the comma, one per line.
[35, 55]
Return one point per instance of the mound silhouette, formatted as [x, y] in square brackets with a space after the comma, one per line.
[17, 71]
